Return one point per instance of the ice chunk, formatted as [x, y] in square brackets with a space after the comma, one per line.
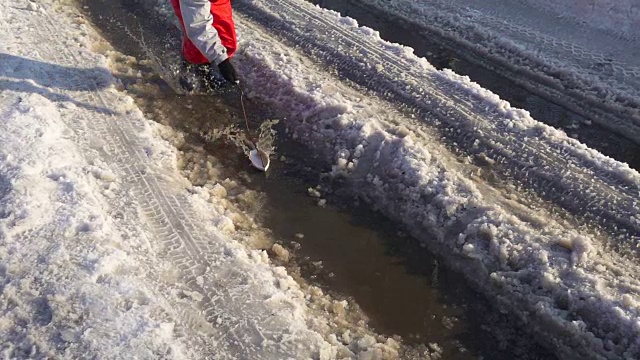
[281, 252]
[581, 250]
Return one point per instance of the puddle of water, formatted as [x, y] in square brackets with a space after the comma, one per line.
[401, 287]
[399, 31]
[398, 285]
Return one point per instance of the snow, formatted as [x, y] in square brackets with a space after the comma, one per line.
[106, 249]
[67, 265]
[547, 258]
[581, 54]
[103, 253]
[621, 17]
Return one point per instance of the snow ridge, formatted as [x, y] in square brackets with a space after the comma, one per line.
[477, 121]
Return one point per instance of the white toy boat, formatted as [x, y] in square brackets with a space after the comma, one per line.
[259, 159]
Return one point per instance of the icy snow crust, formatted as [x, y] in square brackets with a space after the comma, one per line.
[619, 17]
[557, 49]
[566, 280]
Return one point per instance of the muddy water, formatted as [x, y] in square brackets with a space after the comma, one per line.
[441, 55]
[346, 249]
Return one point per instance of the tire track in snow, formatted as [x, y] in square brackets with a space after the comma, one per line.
[83, 133]
[159, 224]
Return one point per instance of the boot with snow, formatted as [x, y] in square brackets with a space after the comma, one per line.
[202, 79]
[215, 83]
[192, 77]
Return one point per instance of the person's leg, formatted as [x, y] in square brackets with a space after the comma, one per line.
[223, 22]
[190, 52]
[197, 75]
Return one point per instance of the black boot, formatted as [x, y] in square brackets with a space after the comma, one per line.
[214, 82]
[193, 77]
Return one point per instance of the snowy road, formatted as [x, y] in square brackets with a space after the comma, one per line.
[544, 226]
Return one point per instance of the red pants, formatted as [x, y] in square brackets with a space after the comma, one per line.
[222, 22]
